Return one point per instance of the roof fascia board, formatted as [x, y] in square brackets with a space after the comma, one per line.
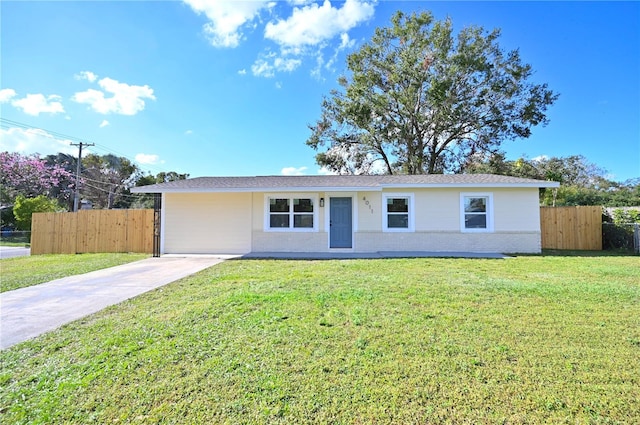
[378, 188]
[469, 185]
[262, 189]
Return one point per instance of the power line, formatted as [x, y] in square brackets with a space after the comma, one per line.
[85, 178]
[133, 196]
[8, 124]
[82, 144]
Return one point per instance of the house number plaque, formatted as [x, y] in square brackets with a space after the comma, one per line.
[368, 204]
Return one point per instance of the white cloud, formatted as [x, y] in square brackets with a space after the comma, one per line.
[228, 19]
[126, 100]
[6, 95]
[346, 42]
[278, 84]
[305, 31]
[316, 72]
[284, 64]
[30, 141]
[262, 68]
[86, 75]
[35, 104]
[268, 66]
[188, 132]
[314, 24]
[104, 123]
[148, 159]
[293, 171]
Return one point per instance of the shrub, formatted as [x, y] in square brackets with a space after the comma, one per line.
[617, 236]
[624, 216]
[24, 207]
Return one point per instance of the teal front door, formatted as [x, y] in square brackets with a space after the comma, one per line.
[340, 223]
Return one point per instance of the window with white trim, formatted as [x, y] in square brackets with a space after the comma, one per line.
[397, 212]
[289, 213]
[476, 212]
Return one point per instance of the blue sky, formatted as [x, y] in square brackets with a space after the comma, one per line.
[215, 88]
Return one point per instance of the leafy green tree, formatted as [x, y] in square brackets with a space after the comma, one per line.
[581, 182]
[145, 200]
[24, 207]
[420, 99]
[621, 194]
[170, 176]
[624, 216]
[106, 180]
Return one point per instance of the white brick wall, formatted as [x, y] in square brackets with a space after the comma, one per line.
[507, 242]
[290, 241]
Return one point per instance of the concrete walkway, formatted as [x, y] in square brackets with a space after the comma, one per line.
[28, 312]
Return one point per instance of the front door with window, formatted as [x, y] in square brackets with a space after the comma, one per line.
[340, 223]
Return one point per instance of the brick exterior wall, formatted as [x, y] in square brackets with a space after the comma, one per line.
[505, 242]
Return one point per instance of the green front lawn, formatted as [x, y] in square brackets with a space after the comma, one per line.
[525, 340]
[20, 272]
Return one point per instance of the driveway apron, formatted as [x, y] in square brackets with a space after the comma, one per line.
[28, 312]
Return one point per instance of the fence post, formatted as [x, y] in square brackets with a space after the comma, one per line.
[636, 238]
[157, 210]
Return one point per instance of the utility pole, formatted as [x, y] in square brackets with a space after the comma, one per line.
[76, 199]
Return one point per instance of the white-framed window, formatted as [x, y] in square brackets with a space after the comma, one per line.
[476, 212]
[397, 214]
[291, 213]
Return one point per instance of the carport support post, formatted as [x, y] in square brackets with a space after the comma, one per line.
[157, 204]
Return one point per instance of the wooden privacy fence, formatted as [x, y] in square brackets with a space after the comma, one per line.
[577, 228]
[92, 231]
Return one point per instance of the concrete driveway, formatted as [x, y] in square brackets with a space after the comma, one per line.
[28, 312]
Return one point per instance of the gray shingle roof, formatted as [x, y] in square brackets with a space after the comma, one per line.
[337, 183]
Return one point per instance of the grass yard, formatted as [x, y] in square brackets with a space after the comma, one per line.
[20, 272]
[533, 339]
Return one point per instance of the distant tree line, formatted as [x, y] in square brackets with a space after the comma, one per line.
[581, 182]
[33, 184]
[41, 184]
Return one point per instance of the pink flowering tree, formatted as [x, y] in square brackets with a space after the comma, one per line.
[30, 177]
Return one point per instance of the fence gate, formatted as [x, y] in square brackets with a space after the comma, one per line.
[577, 228]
